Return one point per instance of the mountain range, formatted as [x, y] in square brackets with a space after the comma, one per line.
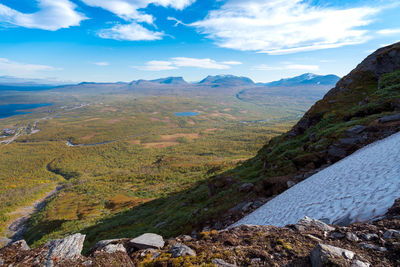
[14, 83]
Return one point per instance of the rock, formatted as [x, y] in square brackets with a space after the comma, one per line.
[290, 183]
[113, 248]
[351, 141]
[148, 240]
[352, 237]
[370, 246]
[389, 234]
[369, 237]
[326, 255]
[245, 188]
[87, 263]
[336, 235]
[314, 238]
[145, 252]
[222, 263]
[20, 244]
[101, 244]
[66, 248]
[179, 250]
[358, 263]
[335, 153]
[390, 118]
[307, 222]
[1, 261]
[357, 129]
[247, 207]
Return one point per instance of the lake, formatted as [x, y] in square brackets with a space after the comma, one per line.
[18, 109]
[186, 114]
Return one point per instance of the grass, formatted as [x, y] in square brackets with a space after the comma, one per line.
[126, 187]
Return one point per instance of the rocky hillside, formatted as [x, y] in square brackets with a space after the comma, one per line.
[362, 108]
[307, 243]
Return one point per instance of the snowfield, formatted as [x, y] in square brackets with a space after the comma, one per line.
[360, 187]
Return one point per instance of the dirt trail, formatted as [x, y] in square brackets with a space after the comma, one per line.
[18, 226]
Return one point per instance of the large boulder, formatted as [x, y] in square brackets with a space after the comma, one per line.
[326, 255]
[148, 240]
[179, 250]
[66, 248]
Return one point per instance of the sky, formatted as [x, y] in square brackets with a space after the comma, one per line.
[126, 40]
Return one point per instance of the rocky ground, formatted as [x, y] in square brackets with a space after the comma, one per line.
[308, 243]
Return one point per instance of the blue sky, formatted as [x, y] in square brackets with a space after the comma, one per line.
[125, 40]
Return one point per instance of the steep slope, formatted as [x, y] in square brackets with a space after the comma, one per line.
[346, 119]
[360, 187]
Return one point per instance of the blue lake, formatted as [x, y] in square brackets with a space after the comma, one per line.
[19, 109]
[186, 114]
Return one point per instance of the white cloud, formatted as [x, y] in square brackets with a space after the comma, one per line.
[203, 63]
[156, 65]
[129, 10]
[13, 68]
[264, 67]
[284, 26]
[130, 32]
[102, 64]
[52, 15]
[389, 31]
[232, 62]
[177, 62]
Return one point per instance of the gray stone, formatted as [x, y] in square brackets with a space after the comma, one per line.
[369, 237]
[389, 234]
[148, 240]
[20, 244]
[290, 183]
[358, 263]
[349, 141]
[357, 129]
[352, 237]
[336, 152]
[323, 255]
[336, 235]
[314, 238]
[245, 188]
[307, 222]
[66, 248]
[370, 246]
[87, 263]
[222, 263]
[113, 248]
[1, 261]
[179, 250]
[390, 118]
[101, 244]
[247, 206]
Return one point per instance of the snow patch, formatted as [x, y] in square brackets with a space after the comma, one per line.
[361, 187]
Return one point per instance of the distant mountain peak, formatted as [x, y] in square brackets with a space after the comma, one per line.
[226, 80]
[306, 79]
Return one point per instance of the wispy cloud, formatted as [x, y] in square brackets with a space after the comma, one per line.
[157, 65]
[130, 32]
[264, 67]
[13, 68]
[52, 15]
[130, 11]
[389, 31]
[102, 64]
[177, 62]
[284, 26]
